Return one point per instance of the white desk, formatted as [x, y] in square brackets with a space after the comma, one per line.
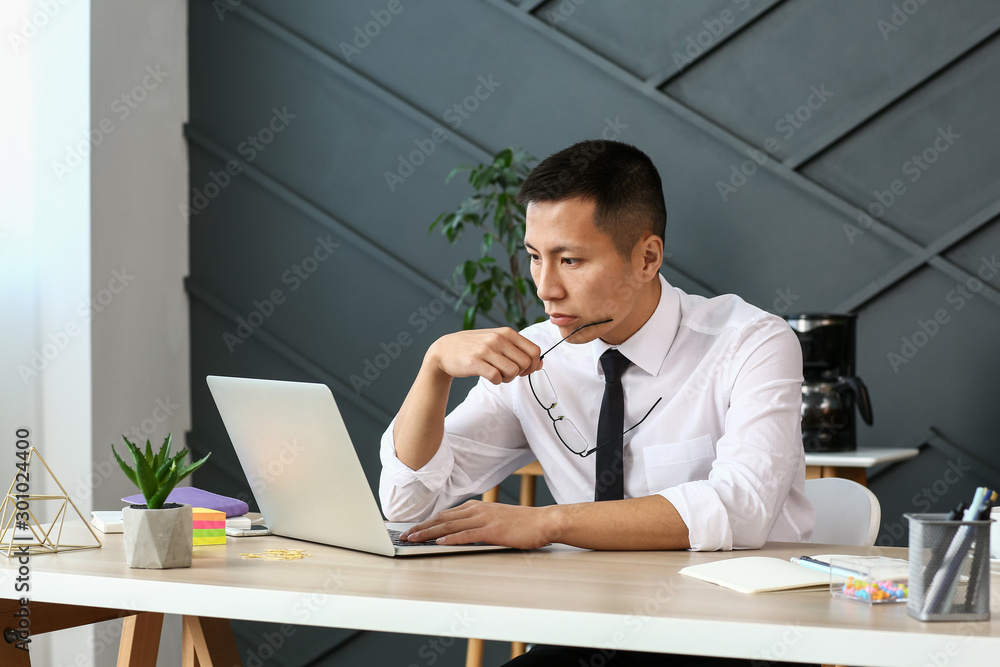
[853, 465]
[625, 600]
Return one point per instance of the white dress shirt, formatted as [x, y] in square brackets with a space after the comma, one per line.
[724, 446]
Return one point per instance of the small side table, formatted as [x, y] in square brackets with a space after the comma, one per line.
[853, 465]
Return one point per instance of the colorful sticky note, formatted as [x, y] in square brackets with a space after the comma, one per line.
[208, 526]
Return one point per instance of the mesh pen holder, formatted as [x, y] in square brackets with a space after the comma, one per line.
[949, 569]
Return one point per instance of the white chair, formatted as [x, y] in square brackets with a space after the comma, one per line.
[846, 512]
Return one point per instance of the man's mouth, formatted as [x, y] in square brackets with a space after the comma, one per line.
[561, 319]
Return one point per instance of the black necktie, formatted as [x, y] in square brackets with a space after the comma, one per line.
[610, 465]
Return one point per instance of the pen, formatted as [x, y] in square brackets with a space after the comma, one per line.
[957, 512]
[814, 564]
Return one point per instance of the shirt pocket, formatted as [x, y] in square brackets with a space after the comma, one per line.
[678, 462]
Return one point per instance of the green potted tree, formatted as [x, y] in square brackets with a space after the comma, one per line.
[158, 534]
[493, 210]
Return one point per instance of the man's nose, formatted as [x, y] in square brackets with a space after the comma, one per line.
[548, 283]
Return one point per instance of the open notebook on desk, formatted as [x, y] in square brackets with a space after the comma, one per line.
[759, 574]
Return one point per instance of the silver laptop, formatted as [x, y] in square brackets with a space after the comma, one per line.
[297, 455]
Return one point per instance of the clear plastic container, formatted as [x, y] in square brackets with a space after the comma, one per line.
[869, 579]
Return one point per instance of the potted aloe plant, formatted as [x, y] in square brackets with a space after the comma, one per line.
[158, 534]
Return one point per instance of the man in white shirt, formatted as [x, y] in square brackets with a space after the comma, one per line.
[707, 453]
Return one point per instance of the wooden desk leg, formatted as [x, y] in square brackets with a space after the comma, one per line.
[474, 647]
[209, 642]
[814, 472]
[528, 490]
[474, 653]
[517, 648]
[140, 641]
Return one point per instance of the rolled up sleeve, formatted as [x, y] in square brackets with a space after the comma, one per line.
[760, 454]
[483, 443]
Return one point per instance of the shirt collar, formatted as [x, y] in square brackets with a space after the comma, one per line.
[647, 348]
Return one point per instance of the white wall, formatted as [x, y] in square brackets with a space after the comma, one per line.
[93, 315]
[139, 175]
[45, 342]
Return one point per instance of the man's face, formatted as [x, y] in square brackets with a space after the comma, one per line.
[579, 274]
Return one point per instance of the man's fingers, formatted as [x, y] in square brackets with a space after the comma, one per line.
[507, 367]
[463, 537]
[528, 347]
[436, 531]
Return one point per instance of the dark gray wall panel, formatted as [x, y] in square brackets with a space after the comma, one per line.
[689, 161]
[651, 37]
[977, 253]
[956, 178]
[769, 70]
[958, 400]
[334, 119]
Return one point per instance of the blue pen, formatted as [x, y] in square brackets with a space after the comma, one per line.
[814, 564]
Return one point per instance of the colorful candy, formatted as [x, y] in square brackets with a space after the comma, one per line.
[875, 591]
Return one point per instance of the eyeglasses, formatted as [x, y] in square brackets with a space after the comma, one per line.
[566, 431]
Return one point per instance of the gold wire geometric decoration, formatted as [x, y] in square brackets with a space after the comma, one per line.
[14, 531]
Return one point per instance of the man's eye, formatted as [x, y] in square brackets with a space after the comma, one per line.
[533, 257]
[570, 260]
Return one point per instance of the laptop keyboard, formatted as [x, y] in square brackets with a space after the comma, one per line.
[394, 535]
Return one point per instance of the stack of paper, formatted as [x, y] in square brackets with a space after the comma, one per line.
[108, 522]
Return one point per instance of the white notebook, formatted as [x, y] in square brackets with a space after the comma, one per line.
[758, 574]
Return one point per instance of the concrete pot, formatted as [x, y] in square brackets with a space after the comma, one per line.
[158, 539]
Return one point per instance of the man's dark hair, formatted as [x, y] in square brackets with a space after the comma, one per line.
[620, 179]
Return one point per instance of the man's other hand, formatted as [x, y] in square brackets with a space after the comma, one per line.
[493, 523]
[498, 355]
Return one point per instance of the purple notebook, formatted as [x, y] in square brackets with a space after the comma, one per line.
[189, 495]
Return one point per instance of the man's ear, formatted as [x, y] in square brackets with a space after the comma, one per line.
[648, 255]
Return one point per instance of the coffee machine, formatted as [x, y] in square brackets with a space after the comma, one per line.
[830, 390]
